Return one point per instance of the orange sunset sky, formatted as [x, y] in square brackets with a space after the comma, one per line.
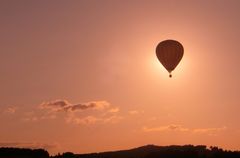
[83, 76]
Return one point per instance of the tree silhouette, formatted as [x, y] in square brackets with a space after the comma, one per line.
[23, 153]
[149, 151]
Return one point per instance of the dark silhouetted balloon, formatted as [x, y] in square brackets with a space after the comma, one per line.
[169, 53]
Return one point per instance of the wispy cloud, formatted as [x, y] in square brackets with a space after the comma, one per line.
[82, 121]
[79, 114]
[135, 112]
[64, 105]
[209, 130]
[89, 120]
[171, 127]
[113, 110]
[10, 110]
[88, 113]
[113, 119]
[37, 115]
[180, 128]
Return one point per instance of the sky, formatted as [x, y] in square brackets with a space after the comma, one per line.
[83, 76]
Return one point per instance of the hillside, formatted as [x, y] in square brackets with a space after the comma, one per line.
[174, 151]
[148, 151]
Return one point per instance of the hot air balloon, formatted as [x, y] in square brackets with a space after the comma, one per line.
[169, 53]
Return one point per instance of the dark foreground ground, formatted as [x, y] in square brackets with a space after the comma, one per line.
[148, 151]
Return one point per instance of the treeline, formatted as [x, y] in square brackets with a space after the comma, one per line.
[152, 151]
[23, 153]
[190, 151]
[149, 151]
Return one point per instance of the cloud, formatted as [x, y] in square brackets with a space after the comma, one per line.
[209, 130]
[113, 110]
[56, 103]
[97, 105]
[64, 105]
[31, 119]
[112, 119]
[180, 128]
[171, 127]
[37, 115]
[10, 110]
[89, 120]
[82, 121]
[89, 113]
[32, 145]
[98, 112]
[135, 112]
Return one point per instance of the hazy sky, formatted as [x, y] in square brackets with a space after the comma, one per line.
[82, 75]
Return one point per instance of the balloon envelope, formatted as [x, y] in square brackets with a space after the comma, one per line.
[169, 53]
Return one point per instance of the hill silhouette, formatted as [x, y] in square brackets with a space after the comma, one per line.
[23, 153]
[148, 151]
[174, 151]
